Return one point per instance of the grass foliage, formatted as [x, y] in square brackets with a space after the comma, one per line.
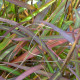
[39, 39]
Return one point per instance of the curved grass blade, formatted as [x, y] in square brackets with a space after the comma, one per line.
[63, 33]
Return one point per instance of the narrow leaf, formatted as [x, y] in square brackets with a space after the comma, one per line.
[63, 33]
[28, 72]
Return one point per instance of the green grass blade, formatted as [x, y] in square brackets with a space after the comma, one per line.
[6, 42]
[38, 11]
[57, 16]
[8, 69]
[6, 52]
